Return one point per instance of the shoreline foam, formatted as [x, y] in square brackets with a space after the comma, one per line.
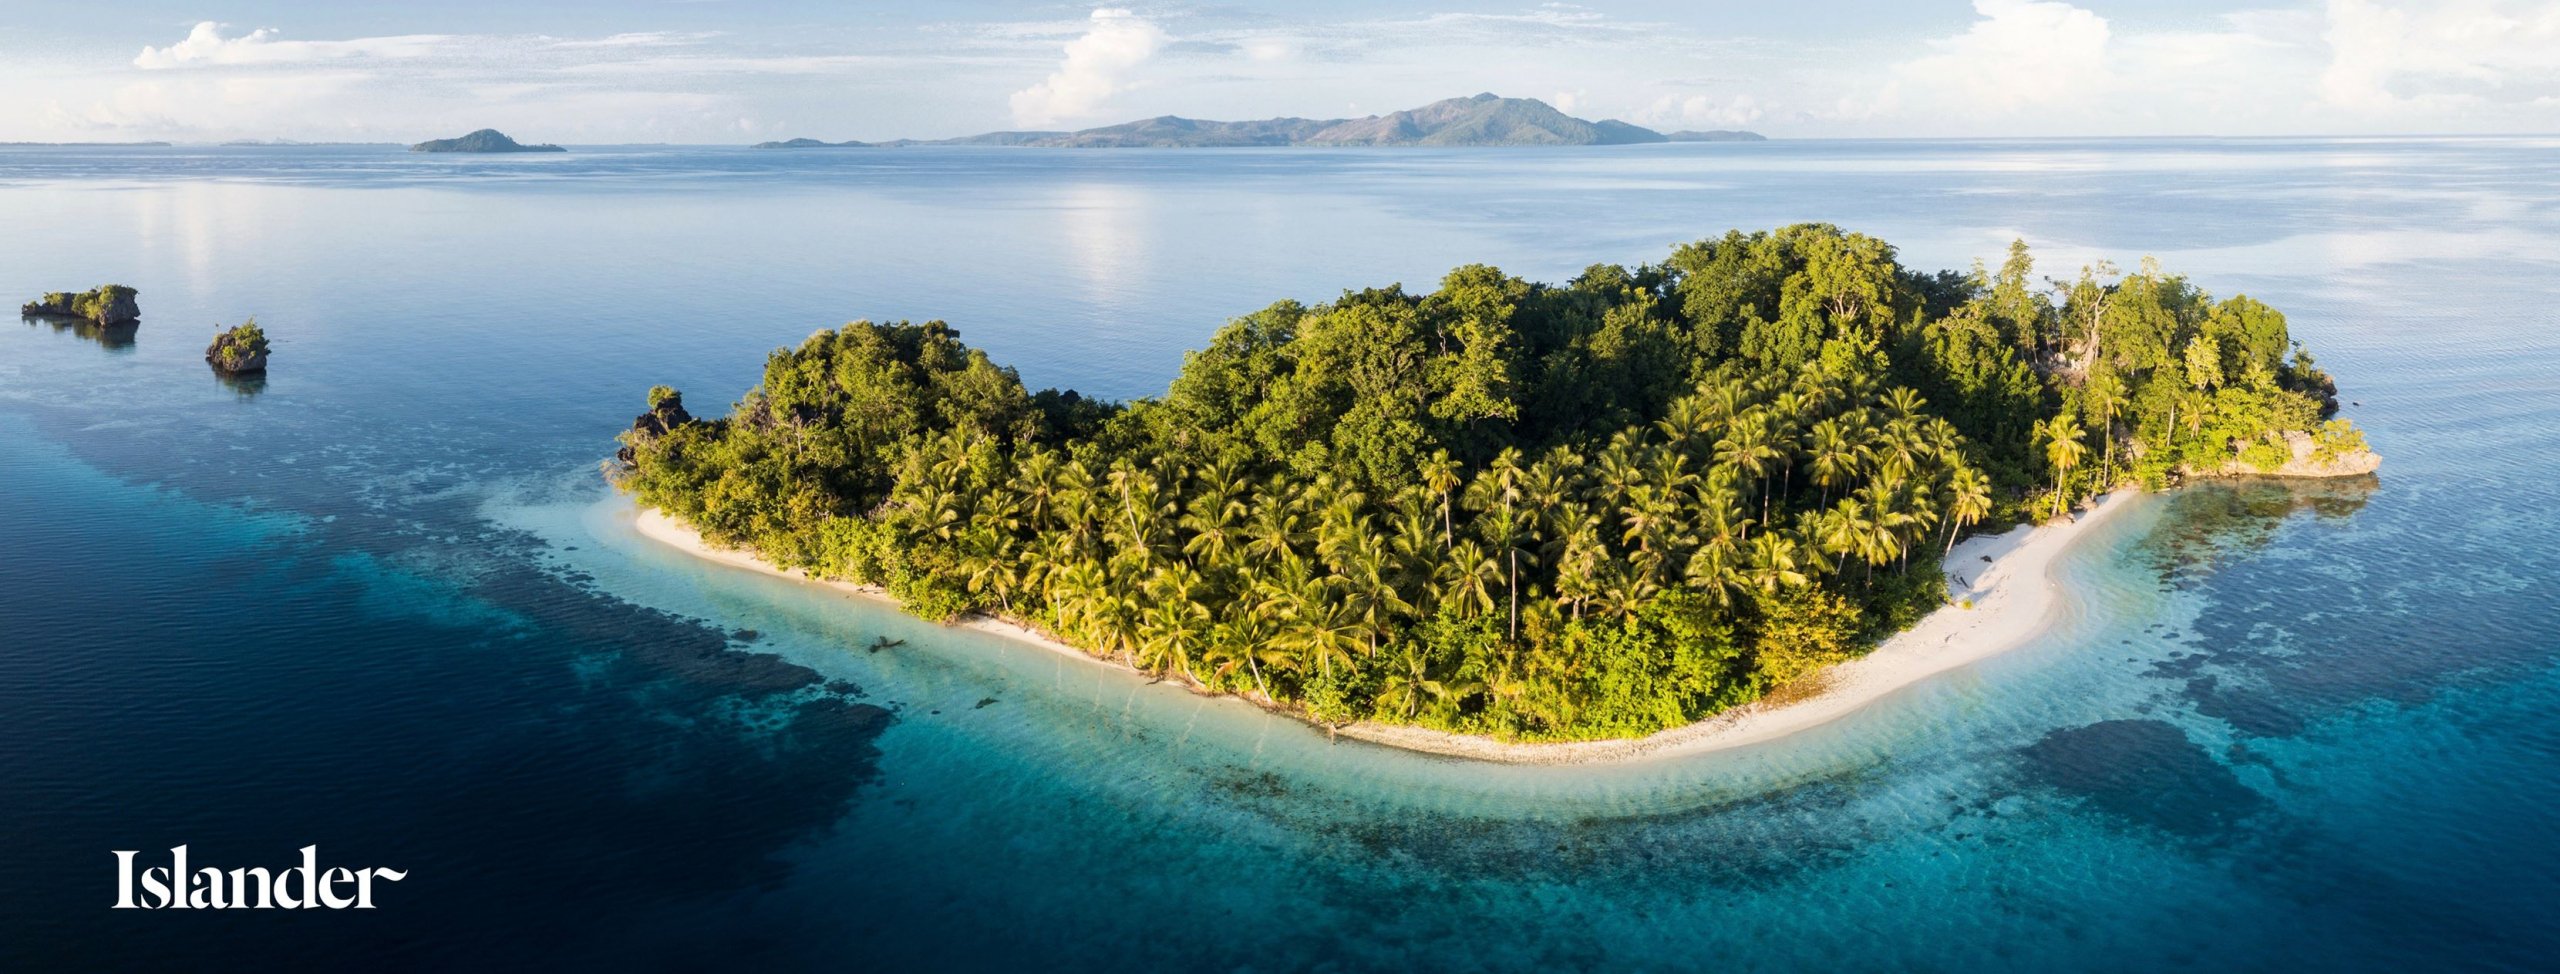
[2015, 599]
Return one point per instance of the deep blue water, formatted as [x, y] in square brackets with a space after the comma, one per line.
[382, 603]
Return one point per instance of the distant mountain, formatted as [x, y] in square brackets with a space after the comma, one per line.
[1716, 135]
[1484, 120]
[485, 140]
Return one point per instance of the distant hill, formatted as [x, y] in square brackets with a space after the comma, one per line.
[485, 140]
[1716, 135]
[1484, 120]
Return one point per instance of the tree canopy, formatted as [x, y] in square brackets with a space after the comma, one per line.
[1535, 511]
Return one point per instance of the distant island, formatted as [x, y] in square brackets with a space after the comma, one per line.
[485, 140]
[1483, 120]
[1512, 511]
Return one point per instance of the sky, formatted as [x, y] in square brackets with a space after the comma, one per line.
[728, 71]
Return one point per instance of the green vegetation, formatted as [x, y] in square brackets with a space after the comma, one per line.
[106, 304]
[241, 349]
[1531, 511]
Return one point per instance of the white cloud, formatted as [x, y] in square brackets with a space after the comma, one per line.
[647, 38]
[1096, 67]
[2448, 55]
[2021, 54]
[205, 46]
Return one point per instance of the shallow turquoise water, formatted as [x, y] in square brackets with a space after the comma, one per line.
[381, 603]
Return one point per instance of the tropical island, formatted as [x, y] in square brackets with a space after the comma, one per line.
[106, 304]
[1482, 120]
[485, 140]
[1515, 511]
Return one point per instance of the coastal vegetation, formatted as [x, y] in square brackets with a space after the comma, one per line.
[106, 304]
[242, 349]
[1532, 511]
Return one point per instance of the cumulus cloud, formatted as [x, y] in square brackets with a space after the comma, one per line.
[2021, 54]
[1096, 67]
[2440, 55]
[205, 46]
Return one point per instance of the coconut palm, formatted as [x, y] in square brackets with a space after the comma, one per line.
[1968, 500]
[1774, 562]
[1440, 475]
[2063, 449]
[1408, 685]
[1837, 454]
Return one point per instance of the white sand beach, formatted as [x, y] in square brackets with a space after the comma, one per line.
[2014, 599]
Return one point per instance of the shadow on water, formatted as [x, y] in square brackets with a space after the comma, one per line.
[118, 337]
[560, 771]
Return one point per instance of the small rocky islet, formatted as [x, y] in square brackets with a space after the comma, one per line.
[106, 304]
[241, 350]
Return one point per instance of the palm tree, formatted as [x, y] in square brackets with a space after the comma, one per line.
[1369, 592]
[1248, 639]
[1774, 562]
[992, 567]
[1968, 500]
[1213, 516]
[1277, 532]
[1440, 476]
[2106, 392]
[1315, 624]
[1837, 452]
[1509, 533]
[1409, 684]
[1173, 624]
[1467, 579]
[2063, 450]
[1746, 448]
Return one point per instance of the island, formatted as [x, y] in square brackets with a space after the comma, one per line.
[106, 304]
[1714, 135]
[1497, 512]
[242, 350]
[485, 140]
[1481, 120]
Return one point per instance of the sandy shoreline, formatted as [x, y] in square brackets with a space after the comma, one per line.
[2014, 600]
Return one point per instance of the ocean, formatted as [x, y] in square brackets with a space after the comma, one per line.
[380, 602]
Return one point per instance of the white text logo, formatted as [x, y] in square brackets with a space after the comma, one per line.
[303, 887]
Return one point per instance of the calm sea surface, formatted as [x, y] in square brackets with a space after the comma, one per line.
[382, 603]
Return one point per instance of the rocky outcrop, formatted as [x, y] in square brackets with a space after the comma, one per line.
[2306, 461]
[239, 351]
[109, 304]
[666, 412]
